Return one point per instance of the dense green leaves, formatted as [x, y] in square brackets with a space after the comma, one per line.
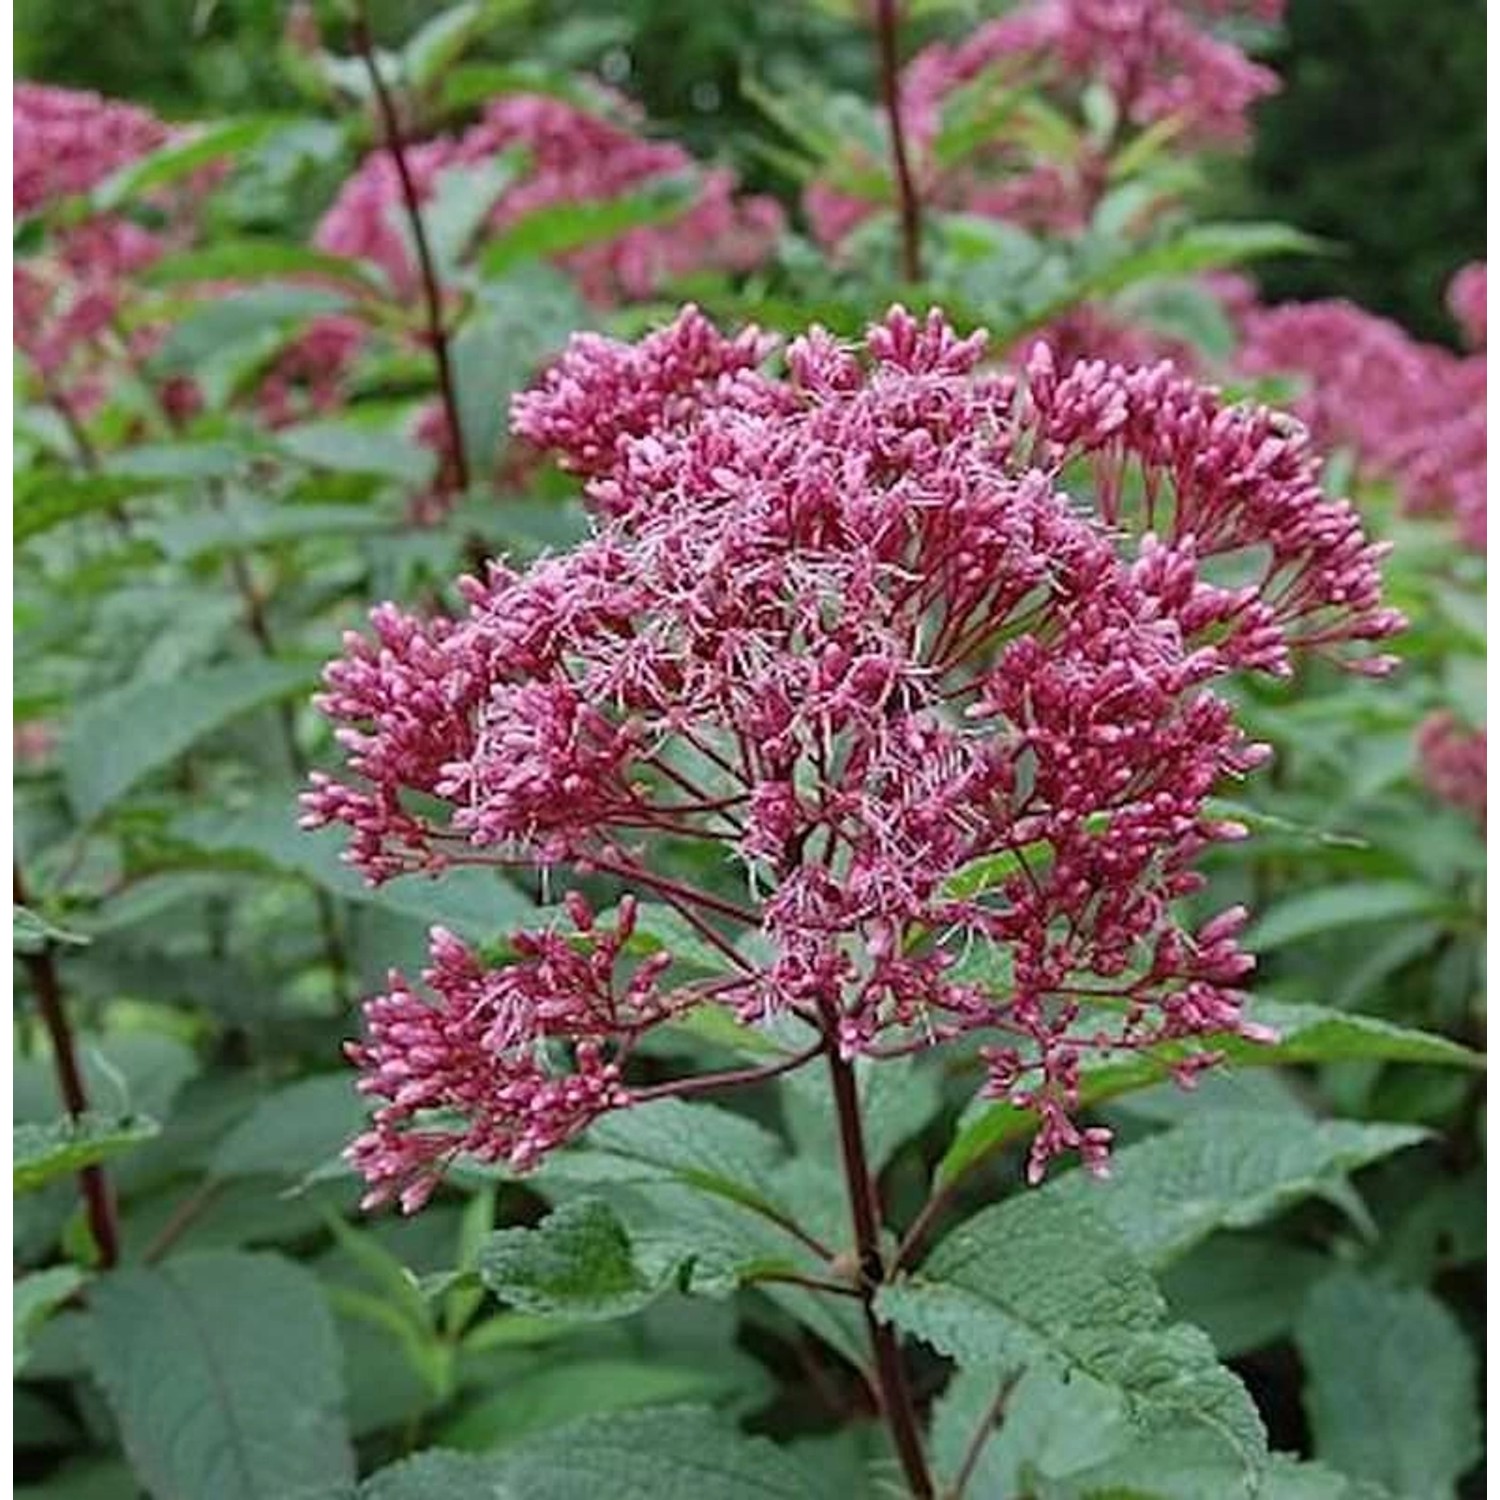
[293, 1130]
[42, 1153]
[34, 1298]
[223, 1373]
[120, 737]
[1369, 1348]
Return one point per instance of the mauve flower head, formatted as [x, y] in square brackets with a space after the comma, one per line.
[1466, 301]
[1453, 763]
[1414, 413]
[924, 653]
[1161, 60]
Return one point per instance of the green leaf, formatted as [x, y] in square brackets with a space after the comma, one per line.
[117, 739]
[293, 1130]
[557, 228]
[462, 199]
[246, 524]
[1308, 1034]
[355, 448]
[1354, 903]
[31, 933]
[474, 903]
[1225, 1169]
[181, 156]
[34, 1298]
[1041, 1282]
[42, 1153]
[578, 1263]
[898, 1097]
[668, 1453]
[179, 461]
[1286, 1479]
[514, 328]
[223, 1372]
[44, 500]
[1392, 1385]
[440, 41]
[232, 318]
[435, 1475]
[255, 260]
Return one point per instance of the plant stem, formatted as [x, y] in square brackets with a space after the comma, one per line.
[437, 332]
[890, 88]
[982, 1434]
[41, 968]
[895, 1394]
[704, 1083]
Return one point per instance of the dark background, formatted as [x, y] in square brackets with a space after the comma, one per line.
[1376, 141]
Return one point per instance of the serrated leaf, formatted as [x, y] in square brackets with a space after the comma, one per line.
[1041, 1282]
[117, 739]
[1368, 1347]
[34, 1298]
[42, 1153]
[1224, 1170]
[292, 1130]
[577, 1263]
[1308, 1034]
[1354, 903]
[223, 1372]
[435, 1475]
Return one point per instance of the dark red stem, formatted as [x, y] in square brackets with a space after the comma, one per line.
[41, 969]
[890, 87]
[890, 1375]
[437, 332]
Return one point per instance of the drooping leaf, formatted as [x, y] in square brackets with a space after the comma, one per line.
[577, 1263]
[1391, 1385]
[255, 260]
[43, 1153]
[356, 448]
[183, 155]
[1307, 1034]
[223, 1373]
[1224, 1170]
[115, 740]
[1354, 903]
[34, 1298]
[229, 319]
[31, 932]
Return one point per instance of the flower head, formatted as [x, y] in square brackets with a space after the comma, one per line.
[924, 653]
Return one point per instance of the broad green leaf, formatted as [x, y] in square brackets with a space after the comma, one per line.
[475, 903]
[577, 1263]
[42, 1153]
[34, 1298]
[1045, 1283]
[668, 1453]
[514, 328]
[441, 40]
[354, 448]
[462, 199]
[1287, 1479]
[898, 1097]
[183, 155]
[1354, 903]
[223, 1373]
[1307, 1034]
[1224, 1169]
[544, 1397]
[1392, 1385]
[436, 1475]
[117, 739]
[31, 933]
[293, 1129]
[180, 461]
[255, 260]
[244, 525]
[556, 228]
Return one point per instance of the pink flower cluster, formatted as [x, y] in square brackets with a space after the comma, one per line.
[67, 299]
[570, 157]
[1453, 763]
[926, 654]
[1160, 60]
[1413, 412]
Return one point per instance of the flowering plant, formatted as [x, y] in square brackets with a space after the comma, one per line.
[890, 903]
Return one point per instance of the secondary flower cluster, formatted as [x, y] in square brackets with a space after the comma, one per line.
[1414, 413]
[1453, 763]
[924, 652]
[1161, 61]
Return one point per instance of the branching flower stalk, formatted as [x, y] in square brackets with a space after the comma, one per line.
[909, 200]
[924, 655]
[432, 295]
[41, 969]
